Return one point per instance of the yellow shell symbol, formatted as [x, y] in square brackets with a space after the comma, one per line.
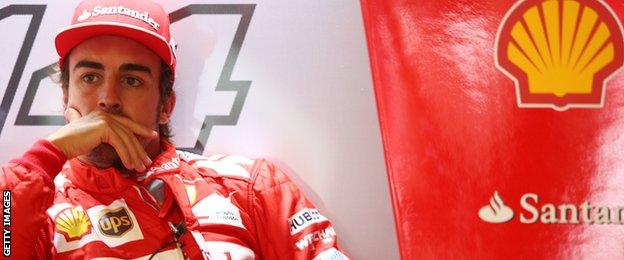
[563, 47]
[73, 222]
[191, 192]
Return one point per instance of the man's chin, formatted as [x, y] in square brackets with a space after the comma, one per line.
[103, 156]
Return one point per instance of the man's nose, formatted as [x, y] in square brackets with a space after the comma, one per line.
[109, 100]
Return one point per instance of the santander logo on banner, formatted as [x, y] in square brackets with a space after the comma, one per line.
[531, 211]
[496, 211]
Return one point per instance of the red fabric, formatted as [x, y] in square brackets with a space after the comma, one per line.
[453, 134]
[44, 157]
[230, 206]
[29, 179]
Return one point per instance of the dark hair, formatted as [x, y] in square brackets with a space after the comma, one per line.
[165, 86]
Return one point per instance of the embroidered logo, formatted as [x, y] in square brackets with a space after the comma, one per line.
[84, 16]
[113, 10]
[115, 222]
[216, 209]
[304, 218]
[73, 223]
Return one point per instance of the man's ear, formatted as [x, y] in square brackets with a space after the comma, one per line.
[167, 109]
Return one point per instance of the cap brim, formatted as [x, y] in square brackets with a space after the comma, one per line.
[72, 36]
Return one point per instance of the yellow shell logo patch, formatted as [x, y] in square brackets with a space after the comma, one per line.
[191, 192]
[73, 223]
[560, 53]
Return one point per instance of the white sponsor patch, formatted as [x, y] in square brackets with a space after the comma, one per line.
[187, 157]
[174, 163]
[331, 254]
[218, 250]
[216, 209]
[133, 234]
[326, 236]
[227, 166]
[62, 245]
[109, 10]
[303, 219]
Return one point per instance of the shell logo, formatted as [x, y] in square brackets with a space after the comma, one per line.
[73, 223]
[560, 53]
[191, 192]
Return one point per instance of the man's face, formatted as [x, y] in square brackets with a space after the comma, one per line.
[119, 76]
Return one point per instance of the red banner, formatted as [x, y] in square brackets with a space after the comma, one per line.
[503, 125]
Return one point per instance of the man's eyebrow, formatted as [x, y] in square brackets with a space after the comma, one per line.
[135, 67]
[89, 64]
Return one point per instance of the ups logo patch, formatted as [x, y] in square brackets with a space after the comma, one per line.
[115, 222]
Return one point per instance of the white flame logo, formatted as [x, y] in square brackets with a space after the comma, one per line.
[84, 16]
[497, 211]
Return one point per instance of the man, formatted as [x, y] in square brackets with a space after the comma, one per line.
[126, 192]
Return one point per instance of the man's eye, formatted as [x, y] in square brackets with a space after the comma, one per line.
[132, 82]
[90, 78]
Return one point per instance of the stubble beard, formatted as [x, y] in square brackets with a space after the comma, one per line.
[105, 156]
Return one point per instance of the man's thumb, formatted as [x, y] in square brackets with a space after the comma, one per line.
[71, 114]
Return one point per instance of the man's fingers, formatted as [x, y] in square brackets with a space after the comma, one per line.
[136, 150]
[128, 145]
[136, 127]
[122, 150]
[82, 134]
[71, 114]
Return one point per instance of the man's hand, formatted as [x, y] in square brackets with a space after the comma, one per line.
[83, 134]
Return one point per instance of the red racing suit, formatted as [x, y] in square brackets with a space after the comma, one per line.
[185, 206]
